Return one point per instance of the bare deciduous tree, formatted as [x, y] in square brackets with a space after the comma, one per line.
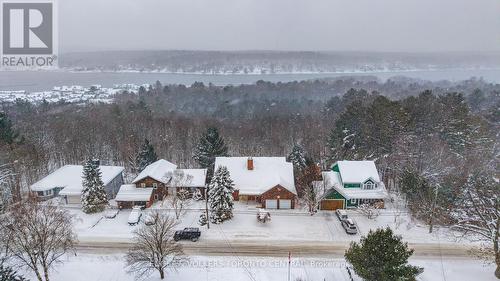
[478, 215]
[312, 191]
[154, 247]
[180, 200]
[39, 236]
[371, 211]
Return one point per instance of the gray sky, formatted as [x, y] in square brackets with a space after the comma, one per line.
[359, 25]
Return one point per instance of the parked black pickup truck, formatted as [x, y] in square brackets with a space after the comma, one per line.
[189, 233]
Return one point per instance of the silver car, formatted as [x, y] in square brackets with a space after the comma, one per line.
[350, 226]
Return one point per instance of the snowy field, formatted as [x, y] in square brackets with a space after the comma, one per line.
[286, 225]
[85, 267]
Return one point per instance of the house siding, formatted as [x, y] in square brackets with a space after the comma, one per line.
[161, 191]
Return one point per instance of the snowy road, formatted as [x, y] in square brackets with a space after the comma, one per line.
[270, 248]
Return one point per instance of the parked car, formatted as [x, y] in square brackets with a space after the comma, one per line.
[111, 213]
[135, 215]
[350, 226]
[188, 233]
[341, 214]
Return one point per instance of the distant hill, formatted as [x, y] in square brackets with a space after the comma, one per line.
[258, 62]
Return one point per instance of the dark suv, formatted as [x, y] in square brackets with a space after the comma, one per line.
[189, 233]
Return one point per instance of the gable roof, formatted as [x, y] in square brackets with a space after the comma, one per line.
[70, 178]
[357, 171]
[158, 171]
[267, 173]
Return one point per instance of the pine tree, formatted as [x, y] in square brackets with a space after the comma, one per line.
[298, 157]
[220, 196]
[146, 156]
[8, 274]
[8, 135]
[94, 198]
[211, 145]
[382, 256]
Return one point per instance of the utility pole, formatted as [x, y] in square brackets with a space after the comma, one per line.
[206, 206]
[289, 263]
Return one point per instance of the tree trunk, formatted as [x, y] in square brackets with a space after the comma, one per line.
[162, 273]
[497, 259]
[46, 273]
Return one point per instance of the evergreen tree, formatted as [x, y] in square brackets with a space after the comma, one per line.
[8, 135]
[94, 198]
[8, 274]
[146, 156]
[220, 196]
[211, 145]
[297, 157]
[382, 256]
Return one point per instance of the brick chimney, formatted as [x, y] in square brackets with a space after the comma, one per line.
[250, 164]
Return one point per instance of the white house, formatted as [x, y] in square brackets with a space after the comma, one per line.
[67, 183]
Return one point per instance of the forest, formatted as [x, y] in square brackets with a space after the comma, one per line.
[425, 134]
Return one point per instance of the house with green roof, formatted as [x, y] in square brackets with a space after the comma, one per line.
[352, 183]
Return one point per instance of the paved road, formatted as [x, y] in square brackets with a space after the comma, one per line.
[272, 248]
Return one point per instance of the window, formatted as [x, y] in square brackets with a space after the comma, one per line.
[353, 201]
[155, 185]
[143, 185]
[369, 185]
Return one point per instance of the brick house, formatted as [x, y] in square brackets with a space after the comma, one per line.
[267, 181]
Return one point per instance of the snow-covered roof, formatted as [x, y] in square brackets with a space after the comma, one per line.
[193, 177]
[70, 178]
[359, 193]
[158, 171]
[129, 192]
[357, 171]
[267, 173]
[331, 178]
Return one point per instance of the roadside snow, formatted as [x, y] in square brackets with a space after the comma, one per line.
[85, 267]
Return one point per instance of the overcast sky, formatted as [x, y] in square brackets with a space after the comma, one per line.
[358, 25]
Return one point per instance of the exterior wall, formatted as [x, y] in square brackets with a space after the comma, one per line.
[113, 187]
[73, 199]
[278, 192]
[160, 192]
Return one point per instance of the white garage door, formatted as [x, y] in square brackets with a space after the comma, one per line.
[271, 204]
[285, 204]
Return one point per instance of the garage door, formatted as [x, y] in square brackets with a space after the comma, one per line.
[271, 204]
[332, 204]
[285, 204]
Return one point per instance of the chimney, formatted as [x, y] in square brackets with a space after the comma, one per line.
[250, 164]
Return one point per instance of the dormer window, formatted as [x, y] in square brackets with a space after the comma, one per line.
[369, 185]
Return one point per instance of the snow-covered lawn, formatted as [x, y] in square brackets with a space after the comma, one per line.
[286, 225]
[111, 268]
